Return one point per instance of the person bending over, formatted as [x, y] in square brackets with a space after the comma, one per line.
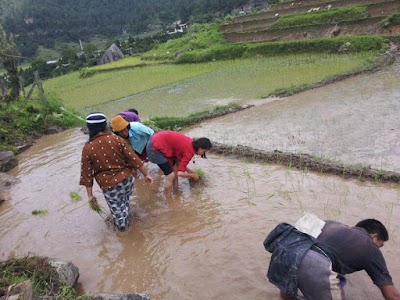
[166, 148]
[317, 264]
[136, 133]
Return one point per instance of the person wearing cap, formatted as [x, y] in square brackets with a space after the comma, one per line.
[137, 134]
[108, 159]
[166, 148]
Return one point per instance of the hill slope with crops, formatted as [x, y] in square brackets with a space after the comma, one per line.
[300, 20]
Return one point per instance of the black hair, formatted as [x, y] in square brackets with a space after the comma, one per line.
[203, 143]
[96, 129]
[374, 226]
[133, 110]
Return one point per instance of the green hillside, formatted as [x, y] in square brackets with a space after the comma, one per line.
[46, 22]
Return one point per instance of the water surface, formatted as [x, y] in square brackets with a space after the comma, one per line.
[206, 242]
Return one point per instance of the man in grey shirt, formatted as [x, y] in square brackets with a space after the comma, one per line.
[317, 264]
[358, 249]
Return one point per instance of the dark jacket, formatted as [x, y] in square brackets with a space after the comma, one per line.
[288, 247]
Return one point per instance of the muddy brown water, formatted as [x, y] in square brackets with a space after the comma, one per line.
[206, 242]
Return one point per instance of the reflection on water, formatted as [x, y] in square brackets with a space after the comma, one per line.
[206, 242]
[354, 121]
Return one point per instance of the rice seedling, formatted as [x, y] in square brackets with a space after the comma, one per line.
[199, 172]
[285, 194]
[75, 197]
[39, 212]
[96, 207]
[390, 206]
[363, 199]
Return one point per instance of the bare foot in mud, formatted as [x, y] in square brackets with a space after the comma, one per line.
[110, 221]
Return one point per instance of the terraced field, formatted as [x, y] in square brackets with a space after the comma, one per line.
[316, 19]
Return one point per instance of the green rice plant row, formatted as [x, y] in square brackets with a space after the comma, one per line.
[325, 45]
[241, 79]
[103, 87]
[178, 123]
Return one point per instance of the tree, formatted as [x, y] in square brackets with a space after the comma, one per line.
[89, 50]
[8, 58]
[68, 56]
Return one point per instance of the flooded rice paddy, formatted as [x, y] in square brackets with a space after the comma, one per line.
[206, 242]
[355, 121]
[219, 82]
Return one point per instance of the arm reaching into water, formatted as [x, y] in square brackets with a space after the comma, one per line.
[389, 292]
[146, 174]
[189, 174]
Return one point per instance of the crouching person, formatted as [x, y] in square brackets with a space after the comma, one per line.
[315, 255]
[109, 159]
[299, 261]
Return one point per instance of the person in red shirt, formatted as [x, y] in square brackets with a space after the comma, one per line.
[166, 148]
[108, 159]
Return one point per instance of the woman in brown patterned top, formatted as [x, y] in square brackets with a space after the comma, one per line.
[109, 160]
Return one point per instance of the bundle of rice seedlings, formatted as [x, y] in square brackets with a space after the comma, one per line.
[199, 173]
[39, 212]
[75, 196]
[95, 206]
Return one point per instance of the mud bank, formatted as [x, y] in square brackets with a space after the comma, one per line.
[307, 162]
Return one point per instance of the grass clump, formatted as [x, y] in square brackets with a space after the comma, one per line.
[40, 212]
[393, 19]
[23, 120]
[44, 278]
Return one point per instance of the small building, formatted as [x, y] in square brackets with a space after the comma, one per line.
[112, 54]
[178, 27]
